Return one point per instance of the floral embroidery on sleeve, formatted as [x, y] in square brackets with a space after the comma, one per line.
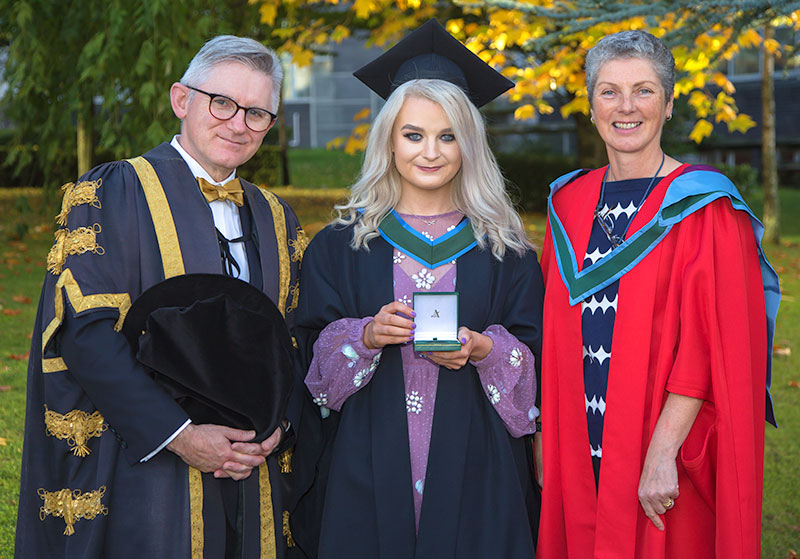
[494, 393]
[516, 358]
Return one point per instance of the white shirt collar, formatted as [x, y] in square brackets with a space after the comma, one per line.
[195, 167]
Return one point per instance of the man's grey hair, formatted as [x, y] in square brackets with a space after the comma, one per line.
[228, 48]
[632, 44]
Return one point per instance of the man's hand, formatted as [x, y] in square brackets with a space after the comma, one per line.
[209, 448]
[264, 448]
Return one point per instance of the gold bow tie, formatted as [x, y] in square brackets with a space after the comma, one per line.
[231, 190]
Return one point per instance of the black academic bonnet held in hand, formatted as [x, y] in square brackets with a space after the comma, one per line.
[219, 346]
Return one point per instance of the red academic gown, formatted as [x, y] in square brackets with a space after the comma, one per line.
[690, 320]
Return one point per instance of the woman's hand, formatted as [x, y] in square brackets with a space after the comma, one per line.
[474, 346]
[658, 486]
[387, 327]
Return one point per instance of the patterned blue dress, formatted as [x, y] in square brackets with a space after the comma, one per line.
[599, 311]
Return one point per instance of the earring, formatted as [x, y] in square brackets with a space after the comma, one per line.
[591, 118]
[669, 117]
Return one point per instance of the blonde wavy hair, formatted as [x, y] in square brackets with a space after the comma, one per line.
[478, 191]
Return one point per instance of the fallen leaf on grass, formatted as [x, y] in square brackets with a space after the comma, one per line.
[794, 384]
[18, 356]
[5, 388]
[11, 312]
[21, 299]
[2, 441]
[782, 351]
[791, 554]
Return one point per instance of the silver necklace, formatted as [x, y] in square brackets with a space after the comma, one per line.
[423, 220]
[605, 222]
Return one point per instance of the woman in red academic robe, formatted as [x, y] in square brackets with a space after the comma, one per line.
[657, 339]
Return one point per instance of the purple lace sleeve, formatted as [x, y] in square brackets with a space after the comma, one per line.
[342, 364]
[508, 377]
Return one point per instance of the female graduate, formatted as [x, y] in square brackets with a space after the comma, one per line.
[428, 459]
[658, 326]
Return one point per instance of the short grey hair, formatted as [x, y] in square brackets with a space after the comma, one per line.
[228, 48]
[632, 44]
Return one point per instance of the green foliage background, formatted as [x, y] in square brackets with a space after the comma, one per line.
[112, 60]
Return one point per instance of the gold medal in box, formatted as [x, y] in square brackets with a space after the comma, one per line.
[437, 321]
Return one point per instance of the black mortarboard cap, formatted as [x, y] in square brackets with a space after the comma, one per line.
[430, 52]
[219, 346]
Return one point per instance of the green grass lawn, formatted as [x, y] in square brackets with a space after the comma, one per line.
[323, 168]
[22, 270]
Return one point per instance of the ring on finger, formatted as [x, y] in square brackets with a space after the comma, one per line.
[669, 504]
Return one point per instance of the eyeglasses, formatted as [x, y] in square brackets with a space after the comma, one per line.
[225, 108]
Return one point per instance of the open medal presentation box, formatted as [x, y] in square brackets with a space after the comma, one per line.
[437, 321]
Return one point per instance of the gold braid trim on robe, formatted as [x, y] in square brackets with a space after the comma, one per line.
[268, 548]
[279, 221]
[80, 302]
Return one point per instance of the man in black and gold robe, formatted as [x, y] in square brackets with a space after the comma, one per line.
[112, 466]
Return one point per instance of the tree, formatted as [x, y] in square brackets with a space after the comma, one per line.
[95, 74]
[769, 166]
[541, 44]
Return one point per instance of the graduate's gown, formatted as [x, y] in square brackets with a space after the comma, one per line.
[479, 491]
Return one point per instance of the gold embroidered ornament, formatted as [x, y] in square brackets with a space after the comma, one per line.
[85, 192]
[78, 241]
[299, 245]
[285, 461]
[72, 505]
[294, 291]
[76, 426]
[287, 531]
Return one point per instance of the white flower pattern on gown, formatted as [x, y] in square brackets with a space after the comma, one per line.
[494, 393]
[427, 235]
[413, 402]
[398, 257]
[516, 357]
[424, 279]
[375, 361]
[321, 400]
[451, 228]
